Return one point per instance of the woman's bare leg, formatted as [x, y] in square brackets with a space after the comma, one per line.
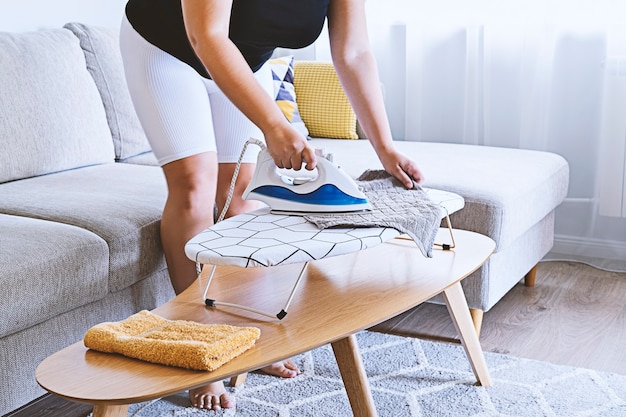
[224, 177]
[189, 210]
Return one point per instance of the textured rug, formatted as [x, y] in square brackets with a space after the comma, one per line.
[411, 377]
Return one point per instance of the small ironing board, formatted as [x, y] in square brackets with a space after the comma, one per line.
[260, 238]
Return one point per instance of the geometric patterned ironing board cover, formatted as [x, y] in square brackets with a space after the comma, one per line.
[260, 238]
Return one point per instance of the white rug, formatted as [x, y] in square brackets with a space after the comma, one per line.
[410, 377]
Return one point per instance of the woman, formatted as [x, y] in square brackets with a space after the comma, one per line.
[197, 73]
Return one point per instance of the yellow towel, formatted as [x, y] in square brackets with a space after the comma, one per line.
[181, 343]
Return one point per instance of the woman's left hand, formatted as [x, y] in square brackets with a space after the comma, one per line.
[402, 167]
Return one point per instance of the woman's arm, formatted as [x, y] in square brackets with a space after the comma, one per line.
[207, 24]
[357, 70]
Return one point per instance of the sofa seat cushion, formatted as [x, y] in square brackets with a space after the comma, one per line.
[44, 273]
[121, 203]
[506, 190]
[53, 118]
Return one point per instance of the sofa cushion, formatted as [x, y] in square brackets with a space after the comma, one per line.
[53, 117]
[121, 203]
[142, 159]
[326, 111]
[285, 93]
[44, 272]
[104, 62]
[506, 190]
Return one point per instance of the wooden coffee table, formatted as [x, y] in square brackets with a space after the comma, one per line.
[337, 297]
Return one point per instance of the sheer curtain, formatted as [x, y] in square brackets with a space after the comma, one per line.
[534, 74]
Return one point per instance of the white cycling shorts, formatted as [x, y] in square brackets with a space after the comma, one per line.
[181, 112]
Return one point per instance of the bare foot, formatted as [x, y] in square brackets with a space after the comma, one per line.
[214, 396]
[284, 369]
[211, 397]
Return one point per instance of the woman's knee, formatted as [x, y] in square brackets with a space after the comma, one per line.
[192, 181]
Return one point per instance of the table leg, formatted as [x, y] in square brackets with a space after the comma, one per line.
[237, 381]
[459, 312]
[110, 410]
[354, 378]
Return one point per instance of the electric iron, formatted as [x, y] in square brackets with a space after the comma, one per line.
[331, 191]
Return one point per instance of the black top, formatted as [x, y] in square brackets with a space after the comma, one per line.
[257, 27]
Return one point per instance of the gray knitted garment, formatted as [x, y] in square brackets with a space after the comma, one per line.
[408, 211]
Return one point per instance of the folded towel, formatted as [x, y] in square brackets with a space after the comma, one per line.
[181, 343]
[408, 211]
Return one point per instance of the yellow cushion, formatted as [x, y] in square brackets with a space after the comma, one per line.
[324, 106]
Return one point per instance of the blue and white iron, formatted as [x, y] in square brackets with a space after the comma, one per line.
[331, 191]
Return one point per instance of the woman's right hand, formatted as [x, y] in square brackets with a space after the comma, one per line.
[290, 149]
[207, 24]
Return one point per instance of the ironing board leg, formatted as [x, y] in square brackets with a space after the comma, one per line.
[208, 282]
[214, 303]
[293, 291]
[444, 246]
[452, 245]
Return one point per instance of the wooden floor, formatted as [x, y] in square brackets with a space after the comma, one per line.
[575, 315]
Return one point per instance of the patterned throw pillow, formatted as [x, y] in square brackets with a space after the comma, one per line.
[285, 94]
[323, 103]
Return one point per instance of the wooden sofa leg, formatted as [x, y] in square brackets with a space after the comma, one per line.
[237, 380]
[529, 278]
[477, 319]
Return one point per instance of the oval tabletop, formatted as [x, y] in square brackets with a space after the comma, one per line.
[338, 297]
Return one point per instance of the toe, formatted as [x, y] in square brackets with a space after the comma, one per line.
[226, 401]
[291, 366]
[211, 397]
[285, 369]
[207, 402]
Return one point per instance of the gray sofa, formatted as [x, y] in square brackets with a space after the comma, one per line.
[81, 199]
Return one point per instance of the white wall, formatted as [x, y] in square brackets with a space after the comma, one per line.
[23, 15]
[27, 15]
